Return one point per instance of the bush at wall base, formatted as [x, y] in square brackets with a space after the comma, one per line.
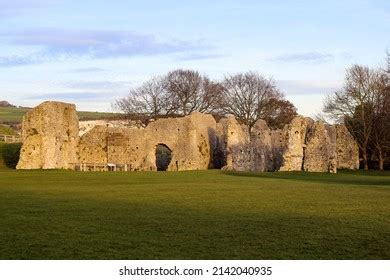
[10, 153]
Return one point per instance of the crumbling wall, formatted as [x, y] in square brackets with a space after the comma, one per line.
[278, 147]
[347, 149]
[294, 142]
[244, 150]
[320, 151]
[262, 145]
[191, 139]
[197, 142]
[93, 146]
[50, 137]
[234, 141]
[85, 126]
[301, 145]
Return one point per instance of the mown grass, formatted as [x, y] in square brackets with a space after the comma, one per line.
[2, 164]
[15, 115]
[194, 215]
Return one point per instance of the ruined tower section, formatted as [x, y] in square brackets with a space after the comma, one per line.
[347, 149]
[50, 137]
[233, 139]
[294, 142]
[243, 150]
[320, 151]
[261, 146]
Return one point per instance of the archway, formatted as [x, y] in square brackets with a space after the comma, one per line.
[163, 157]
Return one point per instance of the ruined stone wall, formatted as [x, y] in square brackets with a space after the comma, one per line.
[85, 126]
[191, 139]
[278, 148]
[320, 151]
[196, 142]
[347, 149]
[301, 145]
[234, 142]
[50, 137]
[294, 142]
[247, 151]
[261, 142]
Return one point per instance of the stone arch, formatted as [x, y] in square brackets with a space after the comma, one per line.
[163, 157]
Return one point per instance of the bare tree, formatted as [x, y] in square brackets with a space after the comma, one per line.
[380, 139]
[246, 95]
[191, 91]
[178, 93]
[150, 100]
[354, 103]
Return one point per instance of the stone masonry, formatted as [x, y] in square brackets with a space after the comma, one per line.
[195, 142]
[50, 137]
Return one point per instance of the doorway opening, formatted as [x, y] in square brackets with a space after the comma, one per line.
[163, 157]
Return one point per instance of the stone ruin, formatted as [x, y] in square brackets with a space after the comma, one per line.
[196, 142]
[50, 135]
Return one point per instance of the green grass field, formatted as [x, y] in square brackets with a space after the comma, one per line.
[15, 115]
[7, 130]
[194, 215]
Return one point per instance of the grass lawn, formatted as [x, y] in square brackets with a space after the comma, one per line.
[194, 215]
[15, 115]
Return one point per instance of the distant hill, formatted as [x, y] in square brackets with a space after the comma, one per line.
[13, 115]
[6, 104]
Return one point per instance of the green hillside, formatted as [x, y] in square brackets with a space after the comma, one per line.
[15, 115]
[4, 129]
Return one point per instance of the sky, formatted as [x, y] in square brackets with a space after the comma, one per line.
[92, 52]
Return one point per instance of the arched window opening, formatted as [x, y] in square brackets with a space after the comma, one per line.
[163, 157]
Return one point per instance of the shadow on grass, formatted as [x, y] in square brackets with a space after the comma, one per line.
[346, 177]
[160, 232]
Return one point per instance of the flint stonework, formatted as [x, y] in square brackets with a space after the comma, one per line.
[195, 142]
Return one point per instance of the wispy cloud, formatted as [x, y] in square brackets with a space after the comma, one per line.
[307, 87]
[17, 60]
[199, 56]
[8, 7]
[87, 70]
[65, 43]
[304, 57]
[69, 96]
[98, 85]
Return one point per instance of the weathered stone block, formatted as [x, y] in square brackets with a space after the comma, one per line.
[50, 137]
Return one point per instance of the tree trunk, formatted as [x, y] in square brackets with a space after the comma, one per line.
[365, 161]
[381, 160]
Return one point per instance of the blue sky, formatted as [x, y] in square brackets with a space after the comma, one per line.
[91, 52]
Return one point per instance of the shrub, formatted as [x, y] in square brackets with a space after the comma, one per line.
[10, 154]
